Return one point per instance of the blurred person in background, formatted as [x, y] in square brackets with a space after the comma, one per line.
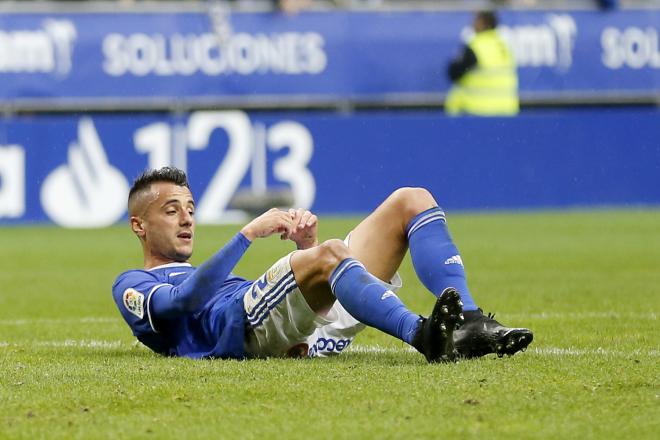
[286, 6]
[292, 6]
[484, 74]
[608, 4]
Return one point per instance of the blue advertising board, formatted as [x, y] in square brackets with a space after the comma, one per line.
[315, 56]
[76, 170]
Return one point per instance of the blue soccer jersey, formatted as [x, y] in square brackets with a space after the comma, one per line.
[214, 326]
[217, 329]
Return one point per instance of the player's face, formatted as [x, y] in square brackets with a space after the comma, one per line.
[169, 224]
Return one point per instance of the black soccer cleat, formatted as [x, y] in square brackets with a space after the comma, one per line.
[434, 338]
[481, 335]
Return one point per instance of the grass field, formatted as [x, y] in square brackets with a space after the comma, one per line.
[587, 283]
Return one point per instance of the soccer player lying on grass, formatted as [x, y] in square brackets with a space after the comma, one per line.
[311, 302]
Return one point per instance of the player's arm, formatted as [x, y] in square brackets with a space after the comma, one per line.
[462, 64]
[170, 301]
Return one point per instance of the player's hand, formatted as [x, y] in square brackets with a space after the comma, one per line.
[273, 221]
[305, 228]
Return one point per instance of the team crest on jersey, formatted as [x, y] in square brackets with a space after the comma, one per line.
[134, 302]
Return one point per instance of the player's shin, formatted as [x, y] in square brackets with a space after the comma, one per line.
[436, 259]
[369, 301]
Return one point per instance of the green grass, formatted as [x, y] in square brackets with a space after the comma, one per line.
[587, 283]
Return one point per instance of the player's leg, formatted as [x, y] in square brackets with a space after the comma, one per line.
[380, 242]
[411, 218]
[328, 271]
[294, 296]
[360, 292]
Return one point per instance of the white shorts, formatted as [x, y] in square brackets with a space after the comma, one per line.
[281, 323]
[279, 318]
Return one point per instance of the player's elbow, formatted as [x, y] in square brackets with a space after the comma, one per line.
[183, 303]
[172, 303]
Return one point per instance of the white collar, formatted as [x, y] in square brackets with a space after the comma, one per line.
[163, 266]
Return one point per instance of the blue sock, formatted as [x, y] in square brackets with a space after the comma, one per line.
[435, 257]
[370, 302]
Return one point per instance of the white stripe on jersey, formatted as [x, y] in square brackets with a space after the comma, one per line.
[153, 289]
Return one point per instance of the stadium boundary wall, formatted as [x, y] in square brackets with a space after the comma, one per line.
[75, 170]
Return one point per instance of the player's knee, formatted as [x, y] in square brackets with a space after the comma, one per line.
[332, 252]
[410, 201]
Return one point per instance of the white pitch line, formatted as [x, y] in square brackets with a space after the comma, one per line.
[378, 349]
[92, 343]
[84, 320]
[544, 351]
[572, 351]
[85, 343]
[583, 315]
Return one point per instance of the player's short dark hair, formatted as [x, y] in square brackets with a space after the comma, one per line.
[165, 174]
[488, 18]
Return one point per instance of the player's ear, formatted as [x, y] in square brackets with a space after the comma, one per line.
[137, 226]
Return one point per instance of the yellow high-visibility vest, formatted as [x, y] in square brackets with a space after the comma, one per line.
[491, 87]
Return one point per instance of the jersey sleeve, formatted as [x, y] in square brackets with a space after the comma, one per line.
[202, 284]
[133, 294]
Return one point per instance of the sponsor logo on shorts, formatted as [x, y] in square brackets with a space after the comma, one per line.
[328, 346]
[134, 302]
[274, 273]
